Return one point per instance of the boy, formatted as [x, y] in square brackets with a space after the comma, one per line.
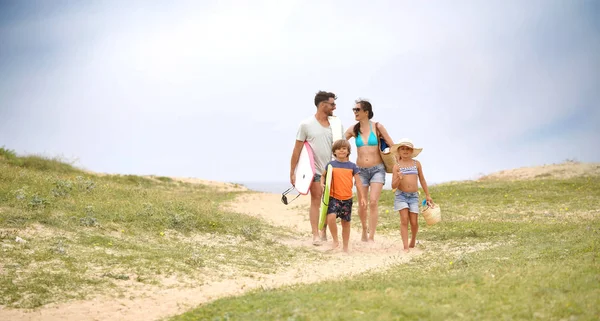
[340, 200]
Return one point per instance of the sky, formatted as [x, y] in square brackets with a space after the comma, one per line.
[216, 89]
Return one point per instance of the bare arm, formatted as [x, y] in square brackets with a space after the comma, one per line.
[294, 161]
[349, 133]
[396, 176]
[424, 184]
[383, 133]
[323, 177]
[358, 182]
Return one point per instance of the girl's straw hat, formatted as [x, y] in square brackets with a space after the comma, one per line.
[406, 142]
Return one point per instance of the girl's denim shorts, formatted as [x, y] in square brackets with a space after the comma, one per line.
[406, 200]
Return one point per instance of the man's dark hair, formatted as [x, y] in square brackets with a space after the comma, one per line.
[323, 96]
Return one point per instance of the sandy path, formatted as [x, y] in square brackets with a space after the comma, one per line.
[152, 303]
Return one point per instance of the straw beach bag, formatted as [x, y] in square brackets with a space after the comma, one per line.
[388, 161]
[432, 215]
[389, 158]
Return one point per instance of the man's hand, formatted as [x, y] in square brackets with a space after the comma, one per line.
[294, 160]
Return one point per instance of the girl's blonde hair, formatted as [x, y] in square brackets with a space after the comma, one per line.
[339, 144]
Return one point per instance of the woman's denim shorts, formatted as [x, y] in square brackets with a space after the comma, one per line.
[404, 200]
[374, 174]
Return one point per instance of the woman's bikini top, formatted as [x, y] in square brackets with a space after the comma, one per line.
[372, 141]
[410, 170]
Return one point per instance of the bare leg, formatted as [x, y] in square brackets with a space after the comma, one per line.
[362, 213]
[373, 210]
[333, 229]
[345, 234]
[404, 227]
[315, 203]
[323, 232]
[414, 228]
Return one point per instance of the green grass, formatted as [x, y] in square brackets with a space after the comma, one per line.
[164, 179]
[541, 200]
[37, 162]
[86, 234]
[527, 250]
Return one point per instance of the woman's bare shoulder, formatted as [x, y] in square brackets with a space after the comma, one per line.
[379, 125]
[350, 130]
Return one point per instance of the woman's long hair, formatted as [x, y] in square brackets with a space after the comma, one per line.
[365, 106]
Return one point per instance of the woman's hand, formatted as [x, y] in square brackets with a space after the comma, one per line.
[363, 201]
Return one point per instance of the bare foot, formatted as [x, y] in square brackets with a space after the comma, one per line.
[323, 236]
[316, 241]
[346, 250]
[364, 236]
[335, 245]
[412, 244]
[406, 250]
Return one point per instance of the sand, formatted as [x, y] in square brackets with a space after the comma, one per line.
[174, 297]
[154, 302]
[564, 170]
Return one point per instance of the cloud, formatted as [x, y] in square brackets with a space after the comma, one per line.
[217, 89]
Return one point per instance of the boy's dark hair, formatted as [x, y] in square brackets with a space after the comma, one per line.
[339, 144]
[366, 106]
[323, 96]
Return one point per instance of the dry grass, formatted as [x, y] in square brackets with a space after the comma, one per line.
[568, 169]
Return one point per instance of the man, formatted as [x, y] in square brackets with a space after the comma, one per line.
[317, 131]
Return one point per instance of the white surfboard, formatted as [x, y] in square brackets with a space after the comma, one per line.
[305, 170]
[335, 123]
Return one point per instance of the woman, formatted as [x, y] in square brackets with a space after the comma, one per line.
[372, 169]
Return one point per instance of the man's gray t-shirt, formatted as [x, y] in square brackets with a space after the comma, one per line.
[320, 139]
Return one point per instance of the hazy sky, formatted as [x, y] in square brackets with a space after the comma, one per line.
[216, 89]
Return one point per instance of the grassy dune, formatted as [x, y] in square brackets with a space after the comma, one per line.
[85, 234]
[506, 250]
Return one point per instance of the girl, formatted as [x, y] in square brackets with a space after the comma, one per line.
[404, 179]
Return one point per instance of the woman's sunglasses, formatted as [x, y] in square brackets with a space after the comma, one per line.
[356, 110]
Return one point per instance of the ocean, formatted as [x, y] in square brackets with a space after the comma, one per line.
[267, 187]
